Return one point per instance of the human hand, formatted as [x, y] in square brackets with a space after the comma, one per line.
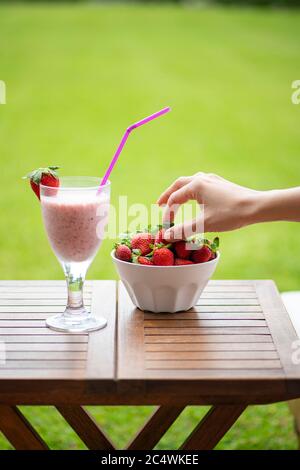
[226, 205]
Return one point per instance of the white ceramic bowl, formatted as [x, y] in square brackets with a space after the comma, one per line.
[165, 288]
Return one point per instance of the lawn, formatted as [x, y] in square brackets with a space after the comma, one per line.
[76, 76]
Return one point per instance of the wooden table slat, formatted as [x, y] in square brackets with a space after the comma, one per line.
[49, 296]
[14, 317]
[51, 339]
[229, 288]
[228, 308]
[229, 295]
[51, 355]
[32, 331]
[201, 323]
[230, 302]
[208, 338]
[30, 302]
[209, 355]
[211, 364]
[194, 347]
[235, 330]
[43, 364]
[33, 323]
[48, 347]
[32, 309]
[193, 315]
[44, 287]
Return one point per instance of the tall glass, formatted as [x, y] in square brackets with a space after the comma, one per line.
[75, 216]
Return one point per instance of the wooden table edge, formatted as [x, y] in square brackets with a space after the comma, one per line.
[141, 392]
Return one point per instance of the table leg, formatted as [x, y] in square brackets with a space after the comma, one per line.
[18, 430]
[86, 427]
[213, 427]
[157, 425]
[205, 436]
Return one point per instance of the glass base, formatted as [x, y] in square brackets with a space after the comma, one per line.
[85, 324]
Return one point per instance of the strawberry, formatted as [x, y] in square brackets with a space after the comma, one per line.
[45, 176]
[159, 237]
[123, 252]
[202, 255]
[142, 242]
[144, 260]
[181, 249]
[182, 262]
[163, 257]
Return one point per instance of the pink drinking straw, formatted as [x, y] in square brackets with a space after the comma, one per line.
[125, 137]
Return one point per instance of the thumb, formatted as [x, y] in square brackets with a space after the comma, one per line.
[185, 230]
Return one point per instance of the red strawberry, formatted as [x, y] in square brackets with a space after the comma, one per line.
[142, 242]
[159, 237]
[181, 249]
[45, 176]
[123, 252]
[202, 255]
[163, 257]
[182, 262]
[144, 260]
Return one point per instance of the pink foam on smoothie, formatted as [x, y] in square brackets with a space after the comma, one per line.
[75, 224]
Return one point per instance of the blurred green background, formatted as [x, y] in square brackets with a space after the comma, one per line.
[77, 75]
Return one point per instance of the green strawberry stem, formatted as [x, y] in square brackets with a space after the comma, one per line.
[36, 175]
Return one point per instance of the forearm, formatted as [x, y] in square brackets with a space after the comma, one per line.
[275, 205]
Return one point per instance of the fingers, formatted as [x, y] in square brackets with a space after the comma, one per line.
[179, 183]
[185, 230]
[181, 196]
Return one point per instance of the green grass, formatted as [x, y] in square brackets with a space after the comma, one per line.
[76, 76]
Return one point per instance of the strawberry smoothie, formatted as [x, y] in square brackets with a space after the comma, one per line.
[75, 224]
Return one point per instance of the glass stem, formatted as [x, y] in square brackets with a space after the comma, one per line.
[75, 277]
[75, 293]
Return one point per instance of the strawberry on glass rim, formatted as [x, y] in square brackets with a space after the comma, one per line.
[43, 176]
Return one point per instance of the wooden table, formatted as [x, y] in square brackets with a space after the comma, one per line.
[233, 349]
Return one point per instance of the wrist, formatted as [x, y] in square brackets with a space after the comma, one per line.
[264, 206]
[249, 207]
